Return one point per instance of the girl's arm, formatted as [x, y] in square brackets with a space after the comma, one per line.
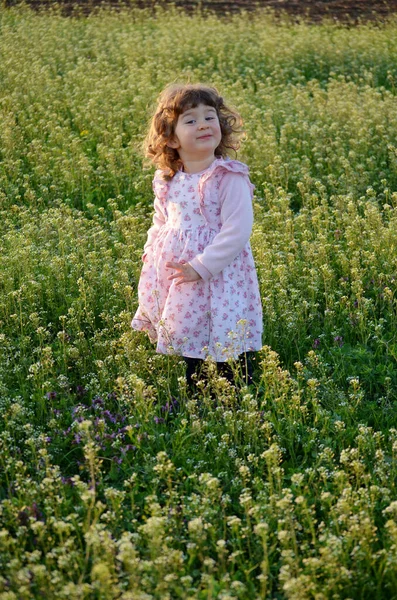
[158, 221]
[237, 220]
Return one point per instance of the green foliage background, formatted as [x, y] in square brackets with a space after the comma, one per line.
[286, 489]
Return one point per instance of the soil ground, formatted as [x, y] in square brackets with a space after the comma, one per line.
[346, 11]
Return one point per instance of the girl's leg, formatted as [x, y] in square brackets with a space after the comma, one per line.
[246, 366]
[193, 367]
[225, 370]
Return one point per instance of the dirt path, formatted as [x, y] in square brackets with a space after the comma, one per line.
[313, 10]
[353, 11]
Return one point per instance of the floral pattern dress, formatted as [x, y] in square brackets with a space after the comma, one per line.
[220, 317]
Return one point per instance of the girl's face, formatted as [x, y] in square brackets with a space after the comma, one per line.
[197, 133]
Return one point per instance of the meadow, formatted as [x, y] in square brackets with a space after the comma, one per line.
[115, 483]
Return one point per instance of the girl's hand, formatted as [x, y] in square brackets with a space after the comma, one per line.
[184, 272]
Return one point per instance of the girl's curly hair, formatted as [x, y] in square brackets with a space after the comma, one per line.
[174, 101]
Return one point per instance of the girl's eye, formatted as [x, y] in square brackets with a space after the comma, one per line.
[209, 118]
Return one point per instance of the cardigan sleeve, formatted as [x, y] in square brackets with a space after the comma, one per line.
[237, 220]
[159, 219]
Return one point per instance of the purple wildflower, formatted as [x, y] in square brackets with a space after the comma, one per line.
[127, 448]
[67, 481]
[338, 339]
[109, 416]
[77, 409]
[170, 406]
[97, 402]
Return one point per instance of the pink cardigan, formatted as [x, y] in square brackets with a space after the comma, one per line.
[234, 193]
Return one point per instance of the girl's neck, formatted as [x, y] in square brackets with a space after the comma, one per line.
[196, 166]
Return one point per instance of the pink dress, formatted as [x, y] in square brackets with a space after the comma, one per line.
[204, 219]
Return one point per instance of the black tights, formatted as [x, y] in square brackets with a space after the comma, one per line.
[194, 365]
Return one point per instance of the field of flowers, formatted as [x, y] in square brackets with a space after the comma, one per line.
[114, 483]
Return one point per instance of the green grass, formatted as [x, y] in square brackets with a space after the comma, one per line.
[114, 483]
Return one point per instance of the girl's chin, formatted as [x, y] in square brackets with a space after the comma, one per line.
[200, 156]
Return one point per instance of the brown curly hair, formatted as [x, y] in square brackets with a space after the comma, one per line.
[174, 101]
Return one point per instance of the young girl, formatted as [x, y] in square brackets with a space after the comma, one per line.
[198, 290]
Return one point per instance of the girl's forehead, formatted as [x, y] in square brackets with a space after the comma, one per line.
[195, 107]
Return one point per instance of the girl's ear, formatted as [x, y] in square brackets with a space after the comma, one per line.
[173, 143]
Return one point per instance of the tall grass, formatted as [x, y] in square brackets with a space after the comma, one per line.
[114, 482]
